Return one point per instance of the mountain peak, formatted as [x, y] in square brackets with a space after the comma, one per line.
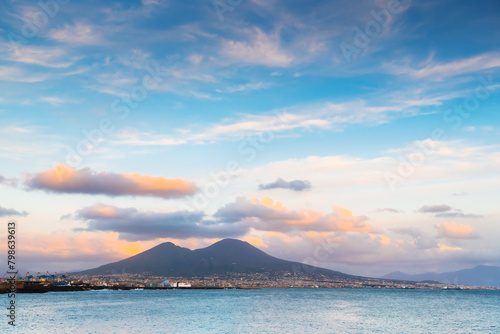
[223, 257]
[234, 246]
[231, 242]
[165, 246]
[168, 244]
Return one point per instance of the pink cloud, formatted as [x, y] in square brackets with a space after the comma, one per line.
[64, 179]
[456, 231]
[268, 215]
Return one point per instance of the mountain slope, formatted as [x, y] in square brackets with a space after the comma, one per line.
[480, 275]
[225, 256]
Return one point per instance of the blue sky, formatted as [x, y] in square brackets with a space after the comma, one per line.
[183, 89]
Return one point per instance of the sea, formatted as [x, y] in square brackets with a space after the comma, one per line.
[291, 310]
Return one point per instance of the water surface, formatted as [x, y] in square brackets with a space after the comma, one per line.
[258, 311]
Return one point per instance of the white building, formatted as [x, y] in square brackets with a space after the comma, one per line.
[181, 285]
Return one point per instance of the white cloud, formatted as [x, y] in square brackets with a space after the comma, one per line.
[150, 2]
[439, 71]
[365, 178]
[135, 138]
[56, 101]
[43, 56]
[315, 116]
[79, 34]
[15, 74]
[249, 86]
[249, 125]
[262, 49]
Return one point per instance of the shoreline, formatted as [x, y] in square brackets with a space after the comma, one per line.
[46, 289]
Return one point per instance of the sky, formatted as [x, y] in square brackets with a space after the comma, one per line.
[357, 136]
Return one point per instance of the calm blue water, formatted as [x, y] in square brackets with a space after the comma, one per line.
[258, 311]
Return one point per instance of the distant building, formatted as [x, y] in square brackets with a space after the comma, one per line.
[181, 285]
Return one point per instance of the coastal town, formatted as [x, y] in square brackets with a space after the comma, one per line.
[65, 282]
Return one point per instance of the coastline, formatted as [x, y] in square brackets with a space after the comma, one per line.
[31, 288]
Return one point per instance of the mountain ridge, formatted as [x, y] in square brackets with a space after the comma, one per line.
[222, 257]
[481, 275]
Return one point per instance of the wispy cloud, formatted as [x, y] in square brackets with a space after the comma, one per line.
[16, 74]
[458, 214]
[79, 34]
[52, 57]
[249, 87]
[439, 71]
[135, 138]
[56, 101]
[259, 49]
[315, 116]
[227, 130]
[391, 210]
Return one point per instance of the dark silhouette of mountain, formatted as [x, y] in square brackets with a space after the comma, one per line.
[223, 257]
[480, 276]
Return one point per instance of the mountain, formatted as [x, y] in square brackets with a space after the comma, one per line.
[480, 275]
[225, 256]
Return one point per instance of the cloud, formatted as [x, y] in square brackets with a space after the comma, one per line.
[249, 125]
[313, 116]
[134, 138]
[444, 211]
[455, 231]
[80, 34]
[117, 13]
[15, 74]
[434, 208]
[458, 215]
[11, 212]
[296, 185]
[70, 251]
[267, 215]
[420, 240]
[8, 182]
[52, 57]
[252, 125]
[365, 254]
[134, 225]
[232, 220]
[249, 87]
[56, 101]
[445, 248]
[356, 177]
[64, 179]
[389, 210]
[262, 49]
[296, 118]
[440, 71]
[66, 251]
[150, 2]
